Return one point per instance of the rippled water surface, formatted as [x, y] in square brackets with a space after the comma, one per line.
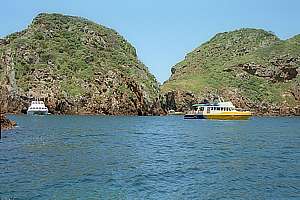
[96, 157]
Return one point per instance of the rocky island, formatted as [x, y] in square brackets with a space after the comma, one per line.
[252, 68]
[77, 67]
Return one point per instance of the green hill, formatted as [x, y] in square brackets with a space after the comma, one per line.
[251, 67]
[77, 66]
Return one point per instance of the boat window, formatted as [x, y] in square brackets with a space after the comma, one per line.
[218, 108]
[201, 108]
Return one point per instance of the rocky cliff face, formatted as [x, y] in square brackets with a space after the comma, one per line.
[75, 66]
[252, 68]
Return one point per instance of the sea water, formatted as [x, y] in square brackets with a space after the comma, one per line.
[166, 157]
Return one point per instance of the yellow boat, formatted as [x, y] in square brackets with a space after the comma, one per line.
[220, 110]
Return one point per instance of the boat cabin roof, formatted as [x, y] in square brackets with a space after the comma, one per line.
[200, 104]
[220, 104]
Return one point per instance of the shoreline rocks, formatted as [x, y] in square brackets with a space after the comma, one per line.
[6, 123]
[181, 101]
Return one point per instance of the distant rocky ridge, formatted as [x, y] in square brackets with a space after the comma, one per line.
[251, 67]
[77, 67]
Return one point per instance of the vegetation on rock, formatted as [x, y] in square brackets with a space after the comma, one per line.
[251, 67]
[77, 66]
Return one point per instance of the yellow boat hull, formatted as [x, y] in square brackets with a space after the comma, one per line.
[229, 115]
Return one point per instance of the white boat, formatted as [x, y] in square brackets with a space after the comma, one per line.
[37, 108]
[217, 110]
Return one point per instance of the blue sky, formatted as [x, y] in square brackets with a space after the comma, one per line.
[163, 31]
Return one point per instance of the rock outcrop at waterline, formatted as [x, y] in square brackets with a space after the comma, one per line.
[77, 67]
[253, 68]
[6, 123]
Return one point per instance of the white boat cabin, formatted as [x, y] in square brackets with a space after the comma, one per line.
[213, 108]
[37, 107]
